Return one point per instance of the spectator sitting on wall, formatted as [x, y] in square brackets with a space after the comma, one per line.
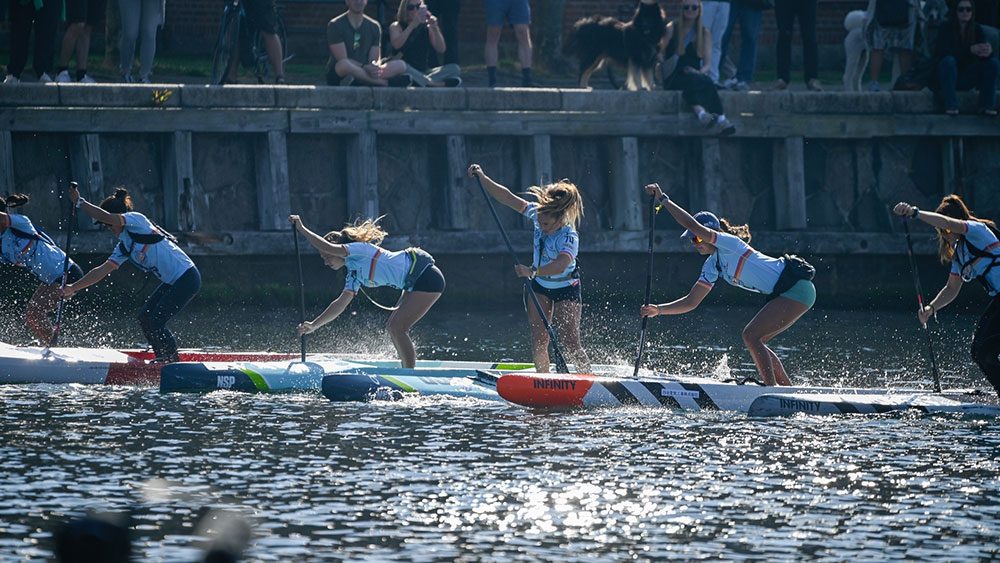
[446, 12]
[356, 53]
[686, 66]
[263, 17]
[748, 13]
[518, 13]
[415, 36]
[81, 18]
[892, 24]
[966, 60]
[43, 15]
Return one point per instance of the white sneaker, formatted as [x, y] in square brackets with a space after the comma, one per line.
[145, 80]
[45, 78]
[63, 77]
[874, 86]
[707, 119]
[11, 79]
[87, 79]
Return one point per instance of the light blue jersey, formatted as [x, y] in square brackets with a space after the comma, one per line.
[163, 259]
[371, 266]
[968, 266]
[547, 248]
[43, 259]
[740, 265]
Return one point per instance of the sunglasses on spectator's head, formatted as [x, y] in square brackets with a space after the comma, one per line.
[357, 39]
[961, 9]
[411, 7]
[691, 7]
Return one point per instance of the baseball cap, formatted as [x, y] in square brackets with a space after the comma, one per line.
[706, 218]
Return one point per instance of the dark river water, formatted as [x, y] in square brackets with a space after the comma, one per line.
[460, 479]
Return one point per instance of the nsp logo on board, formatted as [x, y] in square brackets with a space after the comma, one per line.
[225, 381]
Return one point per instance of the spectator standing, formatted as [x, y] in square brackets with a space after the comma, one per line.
[81, 18]
[785, 14]
[416, 37]
[355, 42]
[715, 18]
[518, 14]
[686, 67]
[43, 16]
[139, 21]
[748, 13]
[447, 15]
[966, 60]
[892, 25]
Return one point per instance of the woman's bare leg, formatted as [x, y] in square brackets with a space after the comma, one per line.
[771, 320]
[539, 336]
[566, 315]
[413, 305]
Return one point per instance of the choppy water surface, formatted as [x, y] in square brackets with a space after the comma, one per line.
[464, 479]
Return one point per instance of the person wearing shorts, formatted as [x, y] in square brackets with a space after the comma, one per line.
[81, 18]
[518, 14]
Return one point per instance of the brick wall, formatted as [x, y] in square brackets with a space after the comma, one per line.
[191, 24]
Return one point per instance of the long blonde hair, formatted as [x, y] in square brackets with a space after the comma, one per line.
[701, 38]
[560, 200]
[402, 18]
[361, 230]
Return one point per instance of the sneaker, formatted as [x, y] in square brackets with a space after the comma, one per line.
[11, 79]
[814, 85]
[729, 83]
[741, 86]
[780, 85]
[873, 86]
[347, 80]
[453, 82]
[64, 76]
[45, 78]
[87, 79]
[127, 79]
[145, 80]
[725, 127]
[707, 119]
[280, 80]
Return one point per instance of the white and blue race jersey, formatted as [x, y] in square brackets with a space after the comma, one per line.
[369, 265]
[548, 247]
[163, 259]
[968, 266]
[44, 259]
[740, 265]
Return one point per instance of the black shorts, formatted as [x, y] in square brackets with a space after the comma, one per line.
[431, 281]
[568, 293]
[90, 12]
[262, 15]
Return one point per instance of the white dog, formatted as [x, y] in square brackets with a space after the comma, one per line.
[856, 49]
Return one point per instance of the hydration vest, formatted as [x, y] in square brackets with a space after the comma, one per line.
[978, 253]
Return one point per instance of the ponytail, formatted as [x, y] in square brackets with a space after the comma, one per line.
[367, 230]
[953, 206]
[12, 201]
[118, 203]
[741, 231]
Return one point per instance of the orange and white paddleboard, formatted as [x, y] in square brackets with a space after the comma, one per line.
[545, 390]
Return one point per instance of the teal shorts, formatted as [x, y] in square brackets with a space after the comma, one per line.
[803, 291]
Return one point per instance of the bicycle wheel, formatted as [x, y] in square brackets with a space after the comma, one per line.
[226, 45]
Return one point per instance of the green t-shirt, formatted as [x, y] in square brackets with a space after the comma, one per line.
[358, 42]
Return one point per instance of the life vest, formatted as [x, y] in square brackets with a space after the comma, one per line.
[978, 253]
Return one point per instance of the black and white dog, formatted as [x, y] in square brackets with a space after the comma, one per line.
[632, 44]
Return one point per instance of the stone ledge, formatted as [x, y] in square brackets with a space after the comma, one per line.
[415, 99]
[324, 97]
[612, 101]
[117, 95]
[514, 99]
[233, 96]
[29, 94]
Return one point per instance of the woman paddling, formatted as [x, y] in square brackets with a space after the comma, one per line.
[972, 247]
[152, 250]
[368, 265]
[554, 276]
[786, 281]
[21, 244]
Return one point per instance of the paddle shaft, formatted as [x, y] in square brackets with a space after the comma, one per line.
[560, 361]
[920, 301]
[65, 277]
[302, 292]
[649, 284]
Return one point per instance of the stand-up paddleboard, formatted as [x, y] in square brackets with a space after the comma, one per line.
[293, 375]
[782, 404]
[27, 364]
[561, 391]
[365, 384]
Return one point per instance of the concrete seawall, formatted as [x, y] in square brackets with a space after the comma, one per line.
[812, 173]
